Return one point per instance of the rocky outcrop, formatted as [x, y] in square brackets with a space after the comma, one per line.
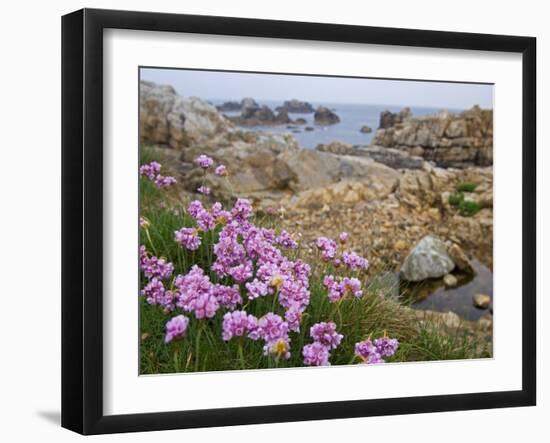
[389, 119]
[428, 259]
[365, 129]
[296, 106]
[230, 106]
[340, 148]
[253, 114]
[324, 116]
[394, 158]
[449, 140]
[173, 121]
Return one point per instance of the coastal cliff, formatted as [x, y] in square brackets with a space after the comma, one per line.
[449, 140]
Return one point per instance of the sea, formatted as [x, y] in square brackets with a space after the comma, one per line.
[352, 117]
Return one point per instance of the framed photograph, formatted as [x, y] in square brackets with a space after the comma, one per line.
[269, 221]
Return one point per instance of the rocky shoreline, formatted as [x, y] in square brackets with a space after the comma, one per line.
[388, 195]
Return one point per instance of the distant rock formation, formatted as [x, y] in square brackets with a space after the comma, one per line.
[324, 116]
[365, 129]
[449, 140]
[230, 106]
[296, 106]
[389, 119]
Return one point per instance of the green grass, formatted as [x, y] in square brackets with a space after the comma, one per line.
[466, 187]
[203, 348]
[468, 208]
[456, 198]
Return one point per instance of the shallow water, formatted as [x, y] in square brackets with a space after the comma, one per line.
[433, 295]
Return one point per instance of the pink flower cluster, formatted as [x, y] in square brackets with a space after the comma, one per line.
[153, 266]
[338, 289]
[375, 352]
[329, 253]
[152, 172]
[247, 260]
[325, 338]
[188, 238]
[239, 324]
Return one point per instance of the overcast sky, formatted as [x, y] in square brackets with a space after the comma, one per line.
[231, 85]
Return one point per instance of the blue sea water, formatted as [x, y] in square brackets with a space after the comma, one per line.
[352, 118]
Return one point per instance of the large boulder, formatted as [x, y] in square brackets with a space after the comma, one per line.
[324, 116]
[171, 120]
[428, 259]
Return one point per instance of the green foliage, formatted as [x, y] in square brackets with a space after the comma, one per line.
[456, 198]
[466, 187]
[468, 208]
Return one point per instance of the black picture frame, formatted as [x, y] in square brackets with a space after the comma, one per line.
[82, 218]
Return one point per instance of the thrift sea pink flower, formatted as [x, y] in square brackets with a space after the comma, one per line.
[176, 328]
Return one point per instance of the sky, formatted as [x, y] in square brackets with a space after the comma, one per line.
[216, 85]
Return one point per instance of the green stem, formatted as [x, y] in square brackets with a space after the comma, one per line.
[197, 348]
[241, 353]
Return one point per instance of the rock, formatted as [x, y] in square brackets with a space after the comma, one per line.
[309, 128]
[300, 121]
[365, 129]
[393, 158]
[390, 157]
[171, 120]
[481, 301]
[450, 280]
[260, 113]
[340, 148]
[450, 140]
[296, 106]
[249, 102]
[389, 119]
[428, 259]
[400, 245]
[324, 116]
[459, 257]
[230, 106]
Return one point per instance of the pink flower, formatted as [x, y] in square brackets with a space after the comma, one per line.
[325, 333]
[150, 170]
[203, 190]
[386, 346]
[176, 328]
[368, 352]
[221, 170]
[343, 237]
[163, 182]
[256, 289]
[188, 238]
[228, 296]
[315, 354]
[354, 261]
[204, 161]
[238, 324]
